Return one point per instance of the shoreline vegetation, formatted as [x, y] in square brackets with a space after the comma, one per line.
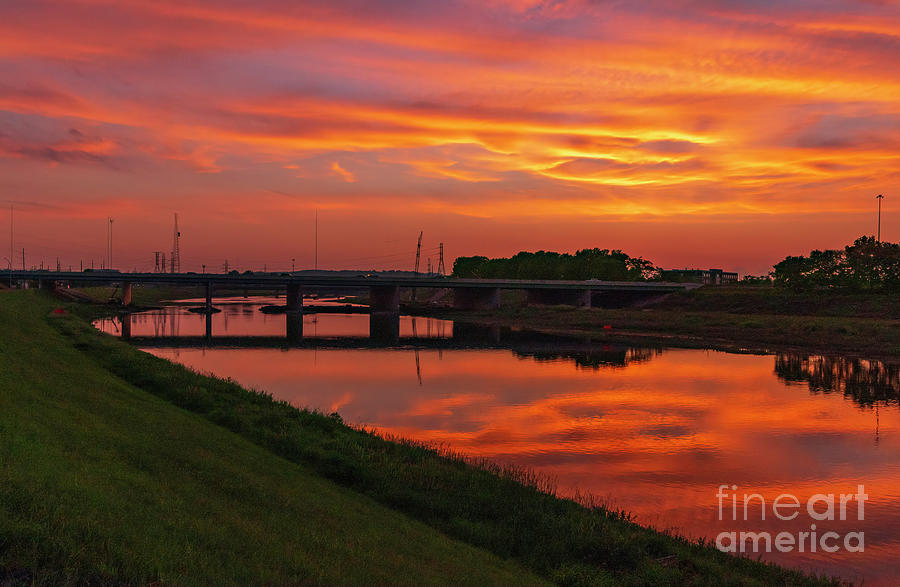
[740, 318]
[829, 302]
[121, 467]
[737, 318]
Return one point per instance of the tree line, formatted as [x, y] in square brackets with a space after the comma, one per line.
[867, 264]
[612, 265]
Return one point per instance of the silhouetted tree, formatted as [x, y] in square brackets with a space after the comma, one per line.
[864, 265]
[585, 264]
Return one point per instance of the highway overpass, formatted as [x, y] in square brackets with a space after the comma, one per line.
[384, 289]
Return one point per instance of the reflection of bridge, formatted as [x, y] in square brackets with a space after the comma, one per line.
[384, 332]
[384, 290]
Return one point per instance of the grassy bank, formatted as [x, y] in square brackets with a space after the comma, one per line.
[104, 483]
[754, 319]
[509, 512]
[742, 299]
[143, 295]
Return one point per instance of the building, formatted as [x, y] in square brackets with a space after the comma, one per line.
[704, 276]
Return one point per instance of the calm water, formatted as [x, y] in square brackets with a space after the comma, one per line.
[652, 431]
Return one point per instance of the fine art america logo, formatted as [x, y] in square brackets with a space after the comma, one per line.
[821, 507]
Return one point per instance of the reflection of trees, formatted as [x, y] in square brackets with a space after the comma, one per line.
[603, 358]
[865, 382]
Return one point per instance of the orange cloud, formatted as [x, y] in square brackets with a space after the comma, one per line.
[496, 110]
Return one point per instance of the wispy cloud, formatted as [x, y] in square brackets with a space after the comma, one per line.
[586, 107]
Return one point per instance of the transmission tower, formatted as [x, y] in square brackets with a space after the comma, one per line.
[441, 261]
[418, 253]
[175, 261]
[156, 255]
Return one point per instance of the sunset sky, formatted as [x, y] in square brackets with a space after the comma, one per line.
[692, 133]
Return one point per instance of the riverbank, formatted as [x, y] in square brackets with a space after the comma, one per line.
[509, 512]
[730, 319]
[104, 483]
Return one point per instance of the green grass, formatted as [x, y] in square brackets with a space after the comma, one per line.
[745, 299]
[104, 483]
[510, 512]
[672, 325]
[143, 295]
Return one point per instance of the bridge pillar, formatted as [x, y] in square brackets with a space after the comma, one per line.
[294, 298]
[569, 297]
[384, 327]
[127, 292]
[126, 326]
[209, 292]
[384, 298]
[293, 326]
[476, 298]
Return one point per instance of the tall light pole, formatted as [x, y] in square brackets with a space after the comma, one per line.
[879, 197]
[109, 247]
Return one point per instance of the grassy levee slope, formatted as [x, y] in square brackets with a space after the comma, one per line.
[872, 337]
[104, 483]
[507, 511]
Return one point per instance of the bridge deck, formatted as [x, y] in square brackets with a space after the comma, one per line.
[267, 280]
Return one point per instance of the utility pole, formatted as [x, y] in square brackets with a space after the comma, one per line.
[175, 262]
[418, 252]
[879, 197]
[293, 260]
[10, 235]
[23, 259]
[316, 248]
[418, 255]
[109, 246]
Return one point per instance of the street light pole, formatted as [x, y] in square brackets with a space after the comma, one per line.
[879, 197]
[109, 243]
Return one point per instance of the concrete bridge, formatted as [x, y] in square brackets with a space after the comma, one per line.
[384, 290]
